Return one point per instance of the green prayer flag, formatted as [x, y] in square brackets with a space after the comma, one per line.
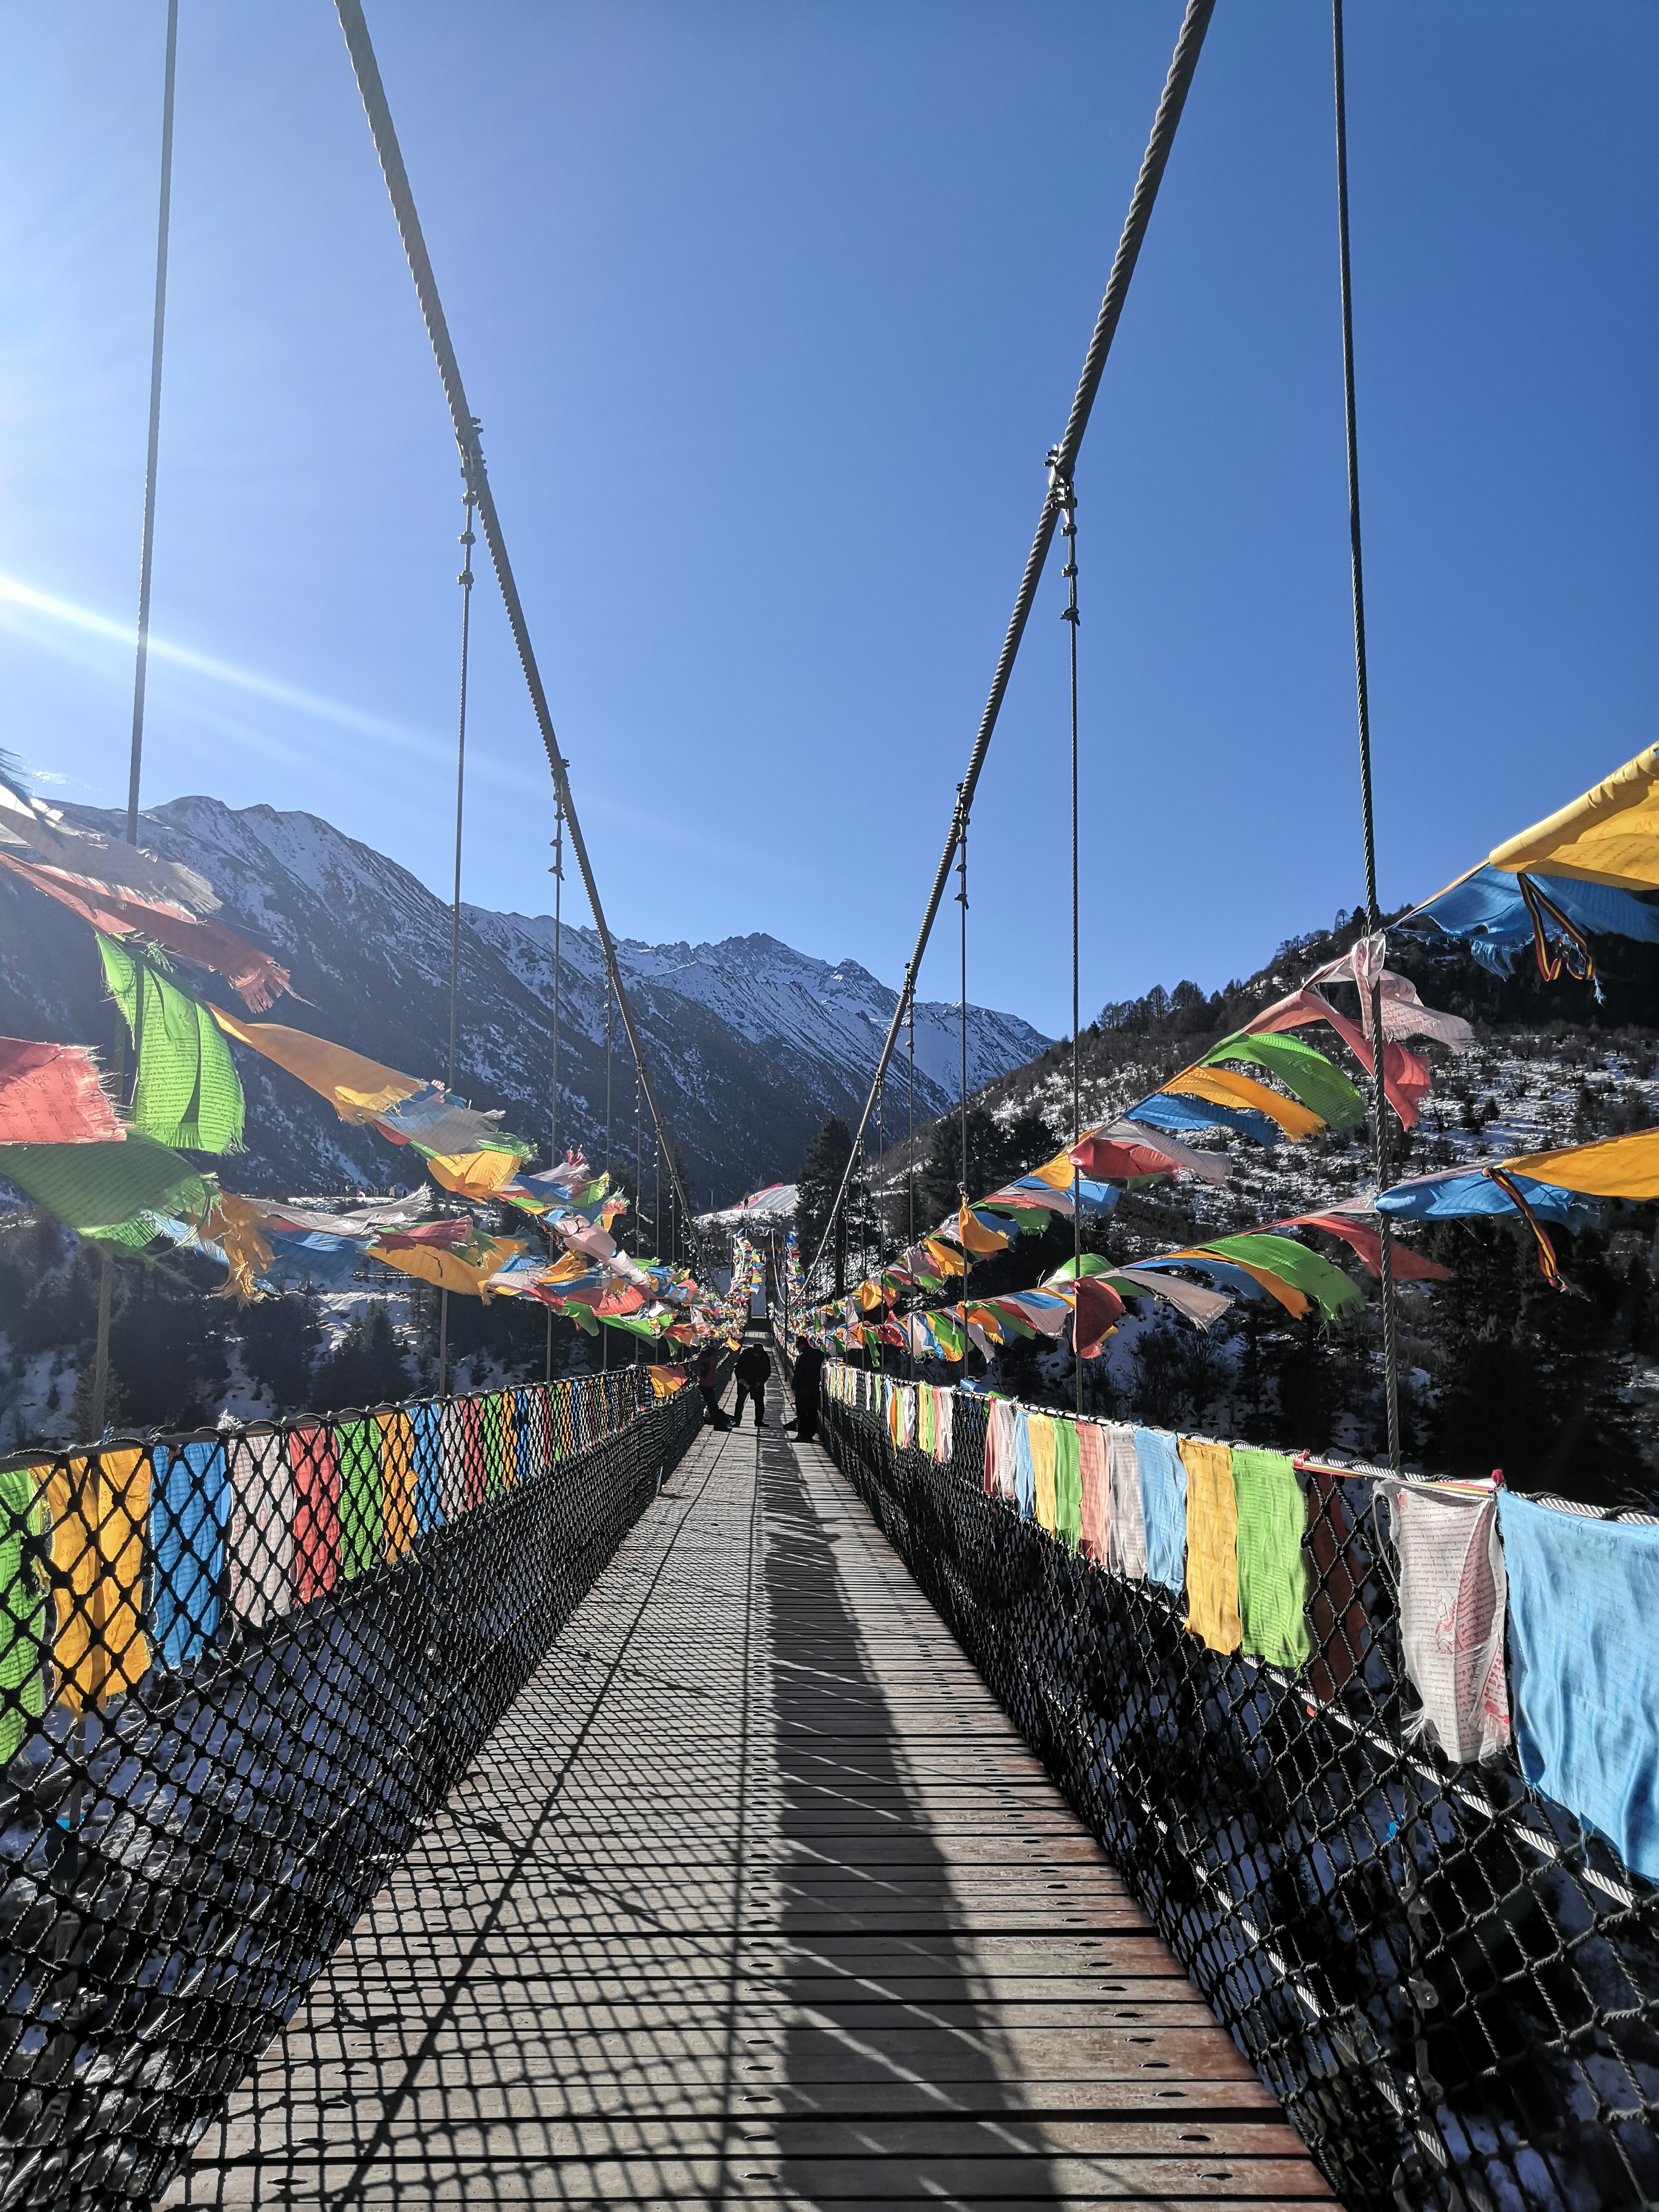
[494, 1455]
[188, 1092]
[635, 1325]
[360, 1496]
[1068, 1485]
[1309, 1272]
[114, 1192]
[1273, 1574]
[1306, 1074]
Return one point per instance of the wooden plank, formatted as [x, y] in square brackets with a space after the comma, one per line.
[754, 1897]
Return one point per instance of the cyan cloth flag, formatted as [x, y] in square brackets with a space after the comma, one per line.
[1162, 1506]
[1025, 1470]
[189, 1505]
[1584, 1675]
[429, 1468]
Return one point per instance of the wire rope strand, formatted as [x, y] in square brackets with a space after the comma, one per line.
[962, 897]
[141, 666]
[465, 580]
[147, 548]
[1073, 620]
[1373, 918]
[639, 1184]
[604, 1333]
[911, 1139]
[553, 1106]
[1183, 64]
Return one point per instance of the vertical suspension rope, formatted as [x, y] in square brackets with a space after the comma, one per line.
[604, 1333]
[1373, 921]
[146, 569]
[158, 333]
[961, 901]
[639, 1182]
[910, 998]
[961, 1007]
[1068, 508]
[607, 1075]
[468, 499]
[881, 1151]
[553, 1108]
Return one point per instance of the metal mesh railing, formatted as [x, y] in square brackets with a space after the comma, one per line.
[1451, 1986]
[238, 1671]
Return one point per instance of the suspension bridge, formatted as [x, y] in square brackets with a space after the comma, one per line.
[557, 1794]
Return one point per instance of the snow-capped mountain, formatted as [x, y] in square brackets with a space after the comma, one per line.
[777, 998]
[751, 1044]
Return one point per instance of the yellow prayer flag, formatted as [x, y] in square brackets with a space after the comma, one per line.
[357, 1088]
[1615, 1167]
[99, 1506]
[1040, 1433]
[1610, 835]
[1212, 1545]
[473, 1175]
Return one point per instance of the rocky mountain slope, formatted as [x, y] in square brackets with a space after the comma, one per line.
[751, 1044]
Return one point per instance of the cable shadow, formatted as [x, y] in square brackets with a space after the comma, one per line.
[892, 2051]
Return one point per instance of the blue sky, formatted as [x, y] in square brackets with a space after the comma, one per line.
[770, 312]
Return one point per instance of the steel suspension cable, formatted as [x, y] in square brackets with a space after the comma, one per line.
[465, 580]
[639, 1185]
[1188, 45]
[604, 1333]
[1072, 618]
[910, 1177]
[146, 569]
[367, 70]
[967, 1257]
[1373, 918]
[557, 872]
[158, 333]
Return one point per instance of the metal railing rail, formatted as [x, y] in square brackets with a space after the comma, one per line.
[239, 1670]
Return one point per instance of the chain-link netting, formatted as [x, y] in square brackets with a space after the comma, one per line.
[1451, 1987]
[238, 1670]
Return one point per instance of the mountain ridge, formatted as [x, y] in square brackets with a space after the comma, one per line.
[751, 1044]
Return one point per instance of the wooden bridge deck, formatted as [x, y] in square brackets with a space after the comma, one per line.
[754, 1897]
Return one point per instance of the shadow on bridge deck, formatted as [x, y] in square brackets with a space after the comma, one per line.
[754, 1897]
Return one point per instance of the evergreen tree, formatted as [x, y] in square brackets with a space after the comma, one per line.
[816, 1187]
[366, 1367]
[280, 1339]
[1530, 1380]
[997, 1152]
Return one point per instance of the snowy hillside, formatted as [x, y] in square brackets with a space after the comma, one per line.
[750, 1045]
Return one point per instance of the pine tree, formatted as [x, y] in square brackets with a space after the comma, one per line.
[816, 1187]
[367, 1367]
[280, 1338]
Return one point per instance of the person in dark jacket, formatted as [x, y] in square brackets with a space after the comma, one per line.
[753, 1370]
[809, 1370]
[708, 1382]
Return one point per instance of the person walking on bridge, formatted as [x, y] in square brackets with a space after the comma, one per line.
[709, 1383]
[753, 1371]
[809, 1372]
